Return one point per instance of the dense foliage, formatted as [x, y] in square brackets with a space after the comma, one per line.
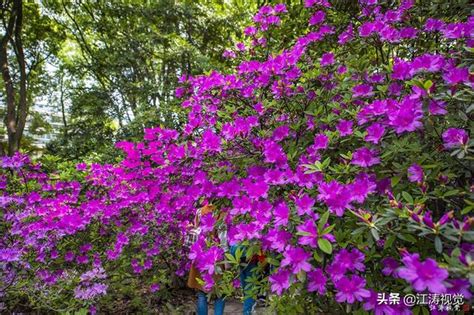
[341, 149]
[128, 56]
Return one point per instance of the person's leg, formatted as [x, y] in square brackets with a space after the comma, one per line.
[249, 302]
[201, 303]
[219, 305]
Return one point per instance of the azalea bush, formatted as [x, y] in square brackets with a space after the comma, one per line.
[337, 144]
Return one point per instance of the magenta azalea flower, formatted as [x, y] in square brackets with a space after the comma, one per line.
[351, 289]
[154, 287]
[317, 18]
[240, 46]
[279, 8]
[297, 259]
[365, 157]
[90, 292]
[281, 214]
[309, 233]
[401, 70]
[208, 281]
[433, 25]
[310, 3]
[427, 62]
[407, 116]
[437, 107]
[274, 153]
[415, 173]
[276, 177]
[341, 69]
[408, 32]
[346, 36]
[362, 90]
[456, 75]
[277, 240]
[344, 127]
[250, 31]
[207, 223]
[362, 186]
[327, 59]
[336, 196]
[423, 275]
[281, 133]
[207, 260]
[69, 256]
[335, 271]
[257, 189]
[395, 88]
[374, 133]
[390, 266]
[321, 141]
[210, 141]
[9, 255]
[229, 189]
[455, 137]
[372, 304]
[460, 286]
[304, 204]
[317, 281]
[280, 281]
[353, 260]
[368, 28]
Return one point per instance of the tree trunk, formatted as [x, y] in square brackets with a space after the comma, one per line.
[63, 108]
[15, 118]
[23, 109]
[10, 117]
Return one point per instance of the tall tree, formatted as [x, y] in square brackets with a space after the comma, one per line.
[133, 53]
[16, 106]
[28, 39]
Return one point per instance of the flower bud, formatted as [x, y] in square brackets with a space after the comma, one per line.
[428, 220]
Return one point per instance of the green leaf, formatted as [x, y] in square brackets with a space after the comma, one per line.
[317, 257]
[395, 180]
[328, 229]
[322, 221]
[408, 198]
[451, 193]
[375, 234]
[325, 245]
[382, 88]
[428, 84]
[231, 258]
[389, 241]
[438, 245]
[467, 210]
[407, 237]
[238, 254]
[82, 311]
[326, 162]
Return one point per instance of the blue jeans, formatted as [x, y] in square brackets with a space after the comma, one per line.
[245, 274]
[219, 304]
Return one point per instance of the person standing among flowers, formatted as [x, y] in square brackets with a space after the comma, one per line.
[245, 274]
[194, 275]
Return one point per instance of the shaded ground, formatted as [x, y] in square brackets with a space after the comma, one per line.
[232, 307]
[185, 304]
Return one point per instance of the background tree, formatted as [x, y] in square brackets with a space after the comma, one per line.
[132, 53]
[28, 39]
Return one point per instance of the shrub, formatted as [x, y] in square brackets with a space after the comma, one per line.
[339, 146]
